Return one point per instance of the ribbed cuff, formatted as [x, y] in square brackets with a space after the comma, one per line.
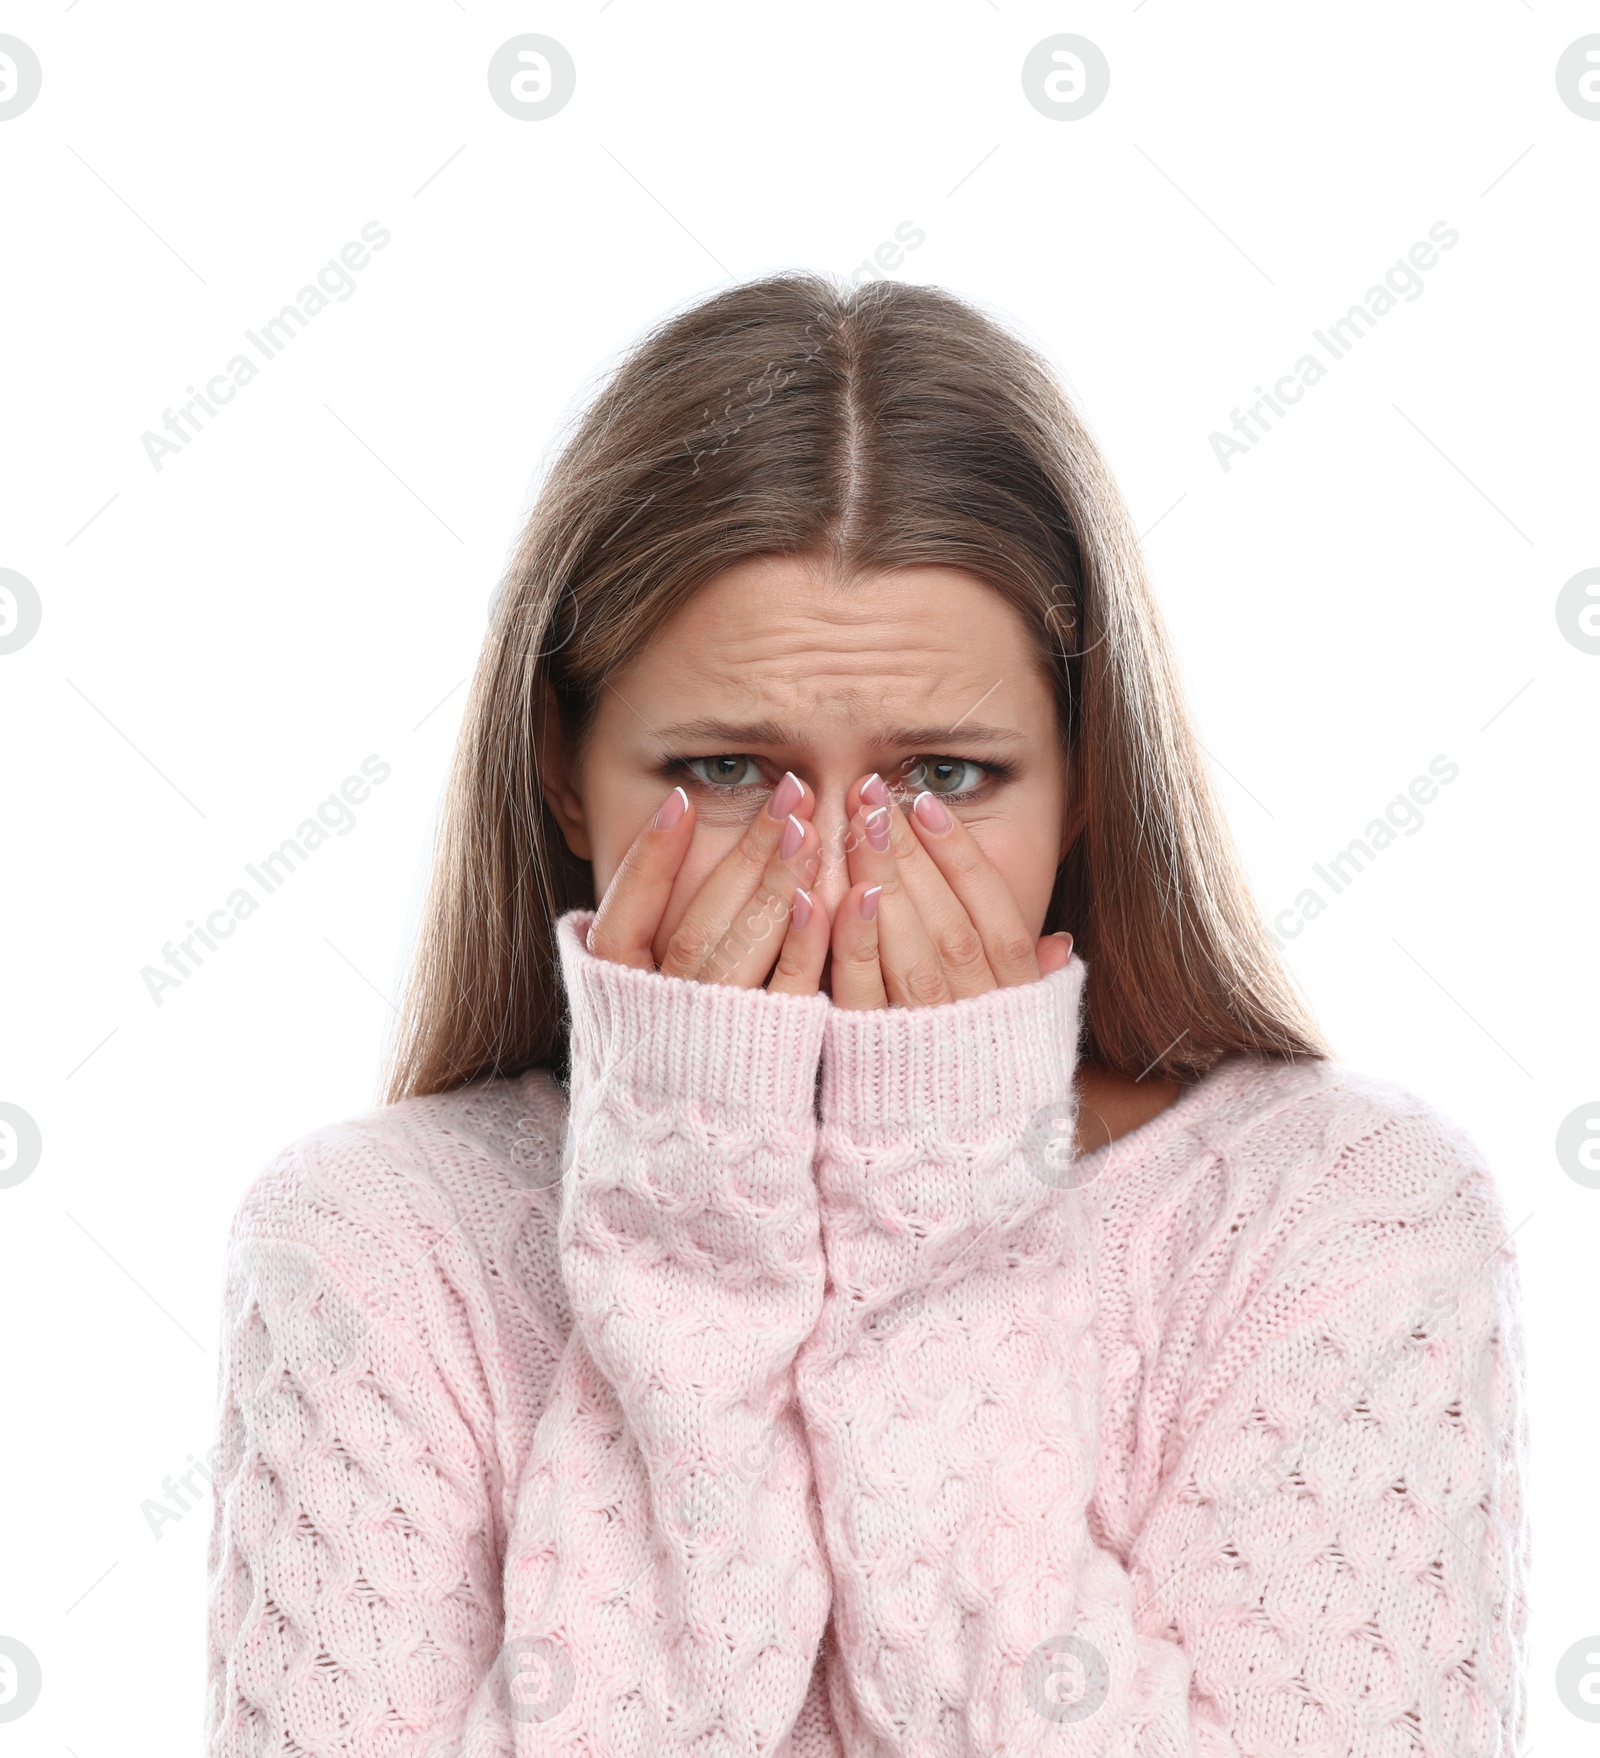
[962, 1070]
[744, 1051]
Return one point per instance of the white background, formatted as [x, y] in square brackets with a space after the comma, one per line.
[224, 640]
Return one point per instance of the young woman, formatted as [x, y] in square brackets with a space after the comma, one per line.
[865, 1252]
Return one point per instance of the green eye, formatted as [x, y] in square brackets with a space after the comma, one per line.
[728, 771]
[943, 775]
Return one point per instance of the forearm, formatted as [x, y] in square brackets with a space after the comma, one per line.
[347, 1478]
[949, 1389]
[673, 1571]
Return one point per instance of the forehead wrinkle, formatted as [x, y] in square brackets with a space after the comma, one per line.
[786, 699]
[820, 645]
[807, 693]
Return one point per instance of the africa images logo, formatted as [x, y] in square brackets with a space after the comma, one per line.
[335, 282]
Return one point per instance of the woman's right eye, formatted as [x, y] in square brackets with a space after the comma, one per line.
[734, 771]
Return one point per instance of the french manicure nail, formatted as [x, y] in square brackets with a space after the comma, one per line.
[801, 909]
[794, 833]
[672, 809]
[874, 790]
[869, 902]
[877, 825]
[933, 812]
[786, 795]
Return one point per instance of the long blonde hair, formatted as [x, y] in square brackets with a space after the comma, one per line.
[877, 427]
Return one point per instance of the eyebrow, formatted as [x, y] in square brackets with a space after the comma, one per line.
[735, 735]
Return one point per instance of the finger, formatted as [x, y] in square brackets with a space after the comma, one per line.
[962, 948]
[857, 972]
[975, 886]
[755, 937]
[913, 973]
[804, 950]
[946, 926]
[1054, 952]
[733, 881]
[630, 912]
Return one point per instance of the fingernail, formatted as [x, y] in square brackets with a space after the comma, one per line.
[869, 902]
[875, 790]
[794, 833]
[801, 910]
[877, 824]
[933, 812]
[672, 809]
[1062, 934]
[786, 795]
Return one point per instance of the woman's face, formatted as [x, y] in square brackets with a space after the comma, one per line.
[926, 675]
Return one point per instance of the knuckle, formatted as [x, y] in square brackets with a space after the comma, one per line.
[791, 965]
[1013, 946]
[767, 905]
[689, 946]
[964, 856]
[749, 853]
[924, 983]
[959, 946]
[761, 915]
[607, 939]
[861, 955]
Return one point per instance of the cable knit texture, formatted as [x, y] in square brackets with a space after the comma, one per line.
[699, 1410]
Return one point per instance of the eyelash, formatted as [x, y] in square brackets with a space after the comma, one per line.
[993, 771]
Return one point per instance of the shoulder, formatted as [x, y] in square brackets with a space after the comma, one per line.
[1321, 1137]
[405, 1260]
[456, 1178]
[1273, 1185]
[1337, 1183]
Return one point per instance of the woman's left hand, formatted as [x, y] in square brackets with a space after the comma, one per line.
[943, 923]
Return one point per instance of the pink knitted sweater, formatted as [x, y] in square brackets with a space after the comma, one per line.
[709, 1410]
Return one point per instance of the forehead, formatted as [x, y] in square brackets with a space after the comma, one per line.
[778, 635]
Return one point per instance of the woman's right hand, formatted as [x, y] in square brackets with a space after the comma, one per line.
[750, 917]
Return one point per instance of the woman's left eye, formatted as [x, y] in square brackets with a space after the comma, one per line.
[944, 775]
[736, 770]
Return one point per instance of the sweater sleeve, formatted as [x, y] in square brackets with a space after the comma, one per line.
[669, 1590]
[354, 1592]
[1357, 1598]
[948, 1388]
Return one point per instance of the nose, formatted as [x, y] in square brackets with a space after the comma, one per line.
[833, 873]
